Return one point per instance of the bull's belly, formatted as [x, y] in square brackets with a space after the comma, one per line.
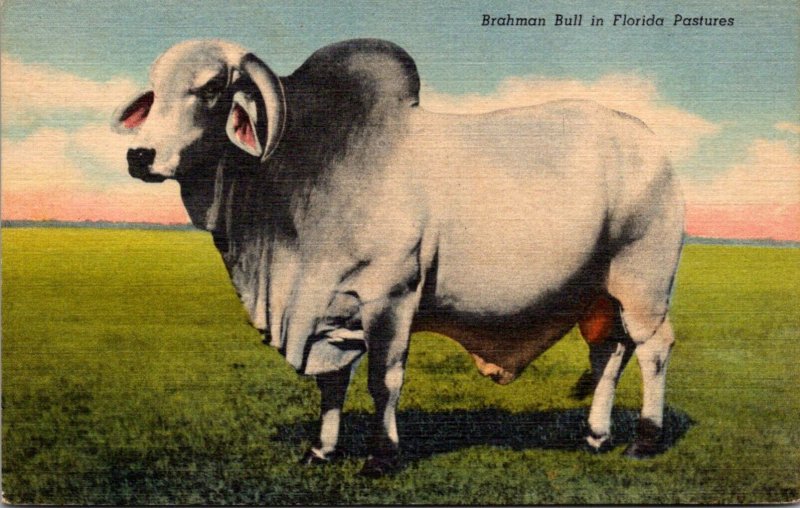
[499, 351]
[502, 345]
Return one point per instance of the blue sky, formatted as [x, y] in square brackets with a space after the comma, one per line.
[743, 80]
[101, 39]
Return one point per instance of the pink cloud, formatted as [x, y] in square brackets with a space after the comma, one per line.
[790, 127]
[779, 222]
[85, 205]
[758, 197]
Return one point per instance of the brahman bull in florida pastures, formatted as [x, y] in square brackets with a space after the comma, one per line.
[348, 217]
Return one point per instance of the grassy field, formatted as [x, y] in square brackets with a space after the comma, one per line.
[130, 376]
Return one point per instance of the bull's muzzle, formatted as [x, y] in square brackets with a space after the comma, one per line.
[140, 163]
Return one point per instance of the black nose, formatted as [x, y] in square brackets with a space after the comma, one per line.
[141, 157]
[139, 162]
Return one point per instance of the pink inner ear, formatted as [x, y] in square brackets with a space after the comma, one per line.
[242, 126]
[137, 112]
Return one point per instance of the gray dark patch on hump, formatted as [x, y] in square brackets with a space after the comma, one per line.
[340, 91]
[362, 68]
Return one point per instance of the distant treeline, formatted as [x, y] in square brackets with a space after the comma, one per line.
[188, 227]
[765, 242]
[93, 224]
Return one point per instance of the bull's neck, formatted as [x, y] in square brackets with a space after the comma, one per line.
[228, 201]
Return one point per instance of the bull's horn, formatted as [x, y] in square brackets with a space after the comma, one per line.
[271, 89]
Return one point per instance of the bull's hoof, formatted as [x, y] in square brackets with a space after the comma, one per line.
[649, 441]
[598, 444]
[314, 457]
[380, 465]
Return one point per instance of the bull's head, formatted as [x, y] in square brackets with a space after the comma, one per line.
[201, 92]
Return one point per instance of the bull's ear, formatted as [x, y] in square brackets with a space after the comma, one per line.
[258, 113]
[242, 124]
[133, 113]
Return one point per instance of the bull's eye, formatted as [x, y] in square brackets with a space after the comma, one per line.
[211, 91]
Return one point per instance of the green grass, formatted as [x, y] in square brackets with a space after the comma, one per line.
[130, 376]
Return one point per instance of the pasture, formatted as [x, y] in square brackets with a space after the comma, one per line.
[130, 376]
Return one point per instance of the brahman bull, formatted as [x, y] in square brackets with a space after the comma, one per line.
[348, 217]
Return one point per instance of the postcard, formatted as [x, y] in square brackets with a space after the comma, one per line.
[397, 253]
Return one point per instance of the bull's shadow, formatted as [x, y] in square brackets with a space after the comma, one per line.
[423, 434]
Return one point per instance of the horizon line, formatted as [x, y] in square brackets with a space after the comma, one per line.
[187, 226]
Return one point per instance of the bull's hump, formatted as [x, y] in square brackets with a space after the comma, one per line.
[363, 69]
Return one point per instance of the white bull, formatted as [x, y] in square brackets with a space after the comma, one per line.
[348, 217]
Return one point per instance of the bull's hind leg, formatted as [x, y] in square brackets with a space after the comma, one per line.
[653, 357]
[608, 359]
[640, 278]
[610, 349]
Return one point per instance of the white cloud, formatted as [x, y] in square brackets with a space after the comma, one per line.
[100, 150]
[39, 162]
[89, 157]
[49, 156]
[769, 175]
[81, 175]
[679, 130]
[793, 128]
[31, 92]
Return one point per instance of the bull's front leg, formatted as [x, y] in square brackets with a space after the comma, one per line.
[333, 390]
[388, 331]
